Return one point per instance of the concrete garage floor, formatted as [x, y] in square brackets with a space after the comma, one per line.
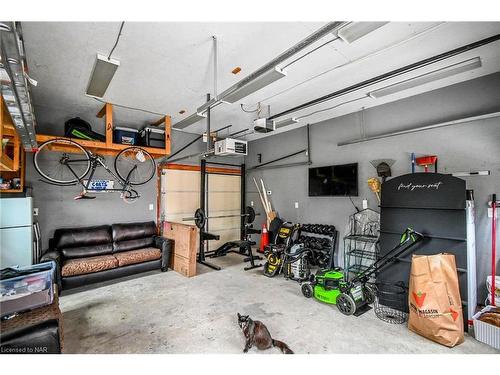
[168, 313]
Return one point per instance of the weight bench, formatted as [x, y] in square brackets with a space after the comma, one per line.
[245, 248]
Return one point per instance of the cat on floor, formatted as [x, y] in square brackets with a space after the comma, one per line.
[256, 333]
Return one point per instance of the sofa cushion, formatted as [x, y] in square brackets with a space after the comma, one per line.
[137, 256]
[131, 231]
[82, 266]
[79, 237]
[139, 243]
[87, 251]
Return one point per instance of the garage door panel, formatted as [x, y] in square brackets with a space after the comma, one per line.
[186, 203]
[178, 180]
[224, 201]
[223, 223]
[219, 182]
[181, 198]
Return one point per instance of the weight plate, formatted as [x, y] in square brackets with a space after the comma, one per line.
[250, 215]
[200, 218]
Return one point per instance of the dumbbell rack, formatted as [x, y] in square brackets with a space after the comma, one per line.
[315, 229]
[361, 243]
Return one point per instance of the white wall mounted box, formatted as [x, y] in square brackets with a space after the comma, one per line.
[230, 146]
[263, 125]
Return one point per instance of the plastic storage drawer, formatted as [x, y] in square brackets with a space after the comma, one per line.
[26, 288]
[126, 136]
[153, 137]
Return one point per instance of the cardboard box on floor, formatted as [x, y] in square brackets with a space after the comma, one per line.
[183, 259]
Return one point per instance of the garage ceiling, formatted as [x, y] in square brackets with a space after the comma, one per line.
[167, 67]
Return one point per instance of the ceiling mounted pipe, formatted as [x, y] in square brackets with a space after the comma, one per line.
[388, 75]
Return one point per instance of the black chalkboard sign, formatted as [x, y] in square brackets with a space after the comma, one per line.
[432, 204]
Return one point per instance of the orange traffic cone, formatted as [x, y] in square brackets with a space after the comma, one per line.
[264, 238]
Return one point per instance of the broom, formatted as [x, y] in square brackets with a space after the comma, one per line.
[374, 185]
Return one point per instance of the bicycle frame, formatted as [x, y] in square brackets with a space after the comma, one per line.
[95, 162]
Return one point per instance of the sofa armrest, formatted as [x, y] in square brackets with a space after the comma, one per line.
[55, 256]
[42, 338]
[165, 245]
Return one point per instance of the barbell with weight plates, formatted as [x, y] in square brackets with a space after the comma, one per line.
[200, 217]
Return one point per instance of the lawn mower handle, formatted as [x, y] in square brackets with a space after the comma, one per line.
[407, 236]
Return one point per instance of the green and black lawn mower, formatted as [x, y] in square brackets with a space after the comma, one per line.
[354, 296]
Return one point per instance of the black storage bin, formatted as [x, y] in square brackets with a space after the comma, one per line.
[152, 136]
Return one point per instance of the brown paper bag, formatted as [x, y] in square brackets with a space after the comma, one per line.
[434, 299]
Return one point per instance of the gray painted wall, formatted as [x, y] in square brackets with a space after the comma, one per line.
[57, 209]
[473, 146]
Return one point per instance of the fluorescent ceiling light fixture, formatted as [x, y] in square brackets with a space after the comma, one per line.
[422, 79]
[101, 76]
[286, 122]
[195, 117]
[356, 30]
[264, 80]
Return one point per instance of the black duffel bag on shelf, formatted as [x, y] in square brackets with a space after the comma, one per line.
[78, 128]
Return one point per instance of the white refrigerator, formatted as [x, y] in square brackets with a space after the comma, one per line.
[16, 232]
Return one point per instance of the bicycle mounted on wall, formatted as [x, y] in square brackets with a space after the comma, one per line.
[133, 166]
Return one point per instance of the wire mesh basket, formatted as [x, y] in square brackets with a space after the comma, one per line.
[391, 302]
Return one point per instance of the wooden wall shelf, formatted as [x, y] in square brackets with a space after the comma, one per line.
[109, 147]
[101, 148]
[12, 155]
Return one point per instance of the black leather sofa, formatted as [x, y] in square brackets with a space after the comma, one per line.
[42, 338]
[95, 254]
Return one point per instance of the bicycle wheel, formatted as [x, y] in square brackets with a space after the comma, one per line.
[135, 165]
[56, 166]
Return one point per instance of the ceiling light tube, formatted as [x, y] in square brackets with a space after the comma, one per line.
[286, 122]
[432, 76]
[195, 117]
[258, 83]
[357, 30]
[102, 73]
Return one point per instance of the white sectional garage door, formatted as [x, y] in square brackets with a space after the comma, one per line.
[180, 197]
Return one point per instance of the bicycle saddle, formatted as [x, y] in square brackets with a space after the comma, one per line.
[83, 196]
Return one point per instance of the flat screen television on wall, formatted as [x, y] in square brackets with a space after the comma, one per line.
[334, 180]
